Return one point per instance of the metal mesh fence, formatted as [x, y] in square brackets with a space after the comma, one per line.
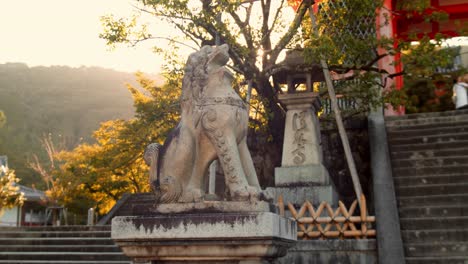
[351, 24]
[359, 23]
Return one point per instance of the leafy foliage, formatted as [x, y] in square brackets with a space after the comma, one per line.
[97, 175]
[2, 118]
[256, 32]
[9, 192]
[347, 39]
[68, 103]
[425, 88]
[345, 34]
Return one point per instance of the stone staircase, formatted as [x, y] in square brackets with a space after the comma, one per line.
[130, 204]
[429, 155]
[59, 245]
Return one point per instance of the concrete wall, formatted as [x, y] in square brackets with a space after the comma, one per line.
[9, 217]
[335, 161]
[351, 251]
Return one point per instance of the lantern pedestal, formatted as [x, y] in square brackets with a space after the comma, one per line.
[301, 166]
[206, 232]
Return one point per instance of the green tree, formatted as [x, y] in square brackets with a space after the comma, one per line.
[347, 39]
[2, 118]
[256, 32]
[31, 96]
[55, 191]
[425, 88]
[97, 175]
[9, 191]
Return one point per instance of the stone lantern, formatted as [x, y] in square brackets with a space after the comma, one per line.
[302, 161]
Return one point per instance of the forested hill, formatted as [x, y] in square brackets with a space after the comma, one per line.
[67, 102]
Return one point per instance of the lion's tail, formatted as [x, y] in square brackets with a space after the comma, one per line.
[151, 157]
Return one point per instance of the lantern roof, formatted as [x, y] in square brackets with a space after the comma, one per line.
[294, 66]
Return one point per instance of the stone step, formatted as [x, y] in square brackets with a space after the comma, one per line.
[142, 199]
[430, 167]
[61, 248]
[432, 200]
[425, 125]
[429, 170]
[434, 211]
[434, 222]
[62, 262]
[63, 244]
[65, 234]
[429, 162]
[434, 179]
[460, 127]
[436, 260]
[446, 249]
[429, 153]
[56, 241]
[58, 228]
[396, 149]
[426, 115]
[82, 256]
[433, 189]
[435, 236]
[139, 198]
[428, 139]
[449, 117]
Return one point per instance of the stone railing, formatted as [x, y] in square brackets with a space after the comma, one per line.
[325, 222]
[344, 103]
[456, 64]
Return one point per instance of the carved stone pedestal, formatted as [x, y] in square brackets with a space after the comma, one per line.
[302, 171]
[195, 236]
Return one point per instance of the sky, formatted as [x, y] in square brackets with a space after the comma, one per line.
[66, 32]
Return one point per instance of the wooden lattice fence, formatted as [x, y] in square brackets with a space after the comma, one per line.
[324, 222]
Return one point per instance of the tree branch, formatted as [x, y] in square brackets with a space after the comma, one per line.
[284, 40]
[278, 11]
[266, 41]
[136, 41]
[160, 14]
[235, 48]
[244, 29]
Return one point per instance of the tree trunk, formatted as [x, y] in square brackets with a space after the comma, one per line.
[267, 153]
[276, 116]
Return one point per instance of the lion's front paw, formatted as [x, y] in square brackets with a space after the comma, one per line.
[244, 193]
[191, 196]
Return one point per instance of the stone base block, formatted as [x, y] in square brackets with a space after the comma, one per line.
[307, 175]
[298, 195]
[205, 238]
[203, 207]
[363, 251]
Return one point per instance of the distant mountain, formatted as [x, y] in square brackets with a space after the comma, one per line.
[69, 103]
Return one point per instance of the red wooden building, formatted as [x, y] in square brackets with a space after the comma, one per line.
[457, 10]
[403, 25]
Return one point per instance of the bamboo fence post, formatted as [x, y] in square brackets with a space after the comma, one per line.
[363, 215]
[325, 222]
[281, 205]
[339, 120]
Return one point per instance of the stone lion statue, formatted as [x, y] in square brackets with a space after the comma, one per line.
[213, 126]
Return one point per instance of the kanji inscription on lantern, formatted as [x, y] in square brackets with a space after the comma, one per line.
[299, 125]
[302, 153]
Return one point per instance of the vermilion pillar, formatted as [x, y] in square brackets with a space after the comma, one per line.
[389, 63]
